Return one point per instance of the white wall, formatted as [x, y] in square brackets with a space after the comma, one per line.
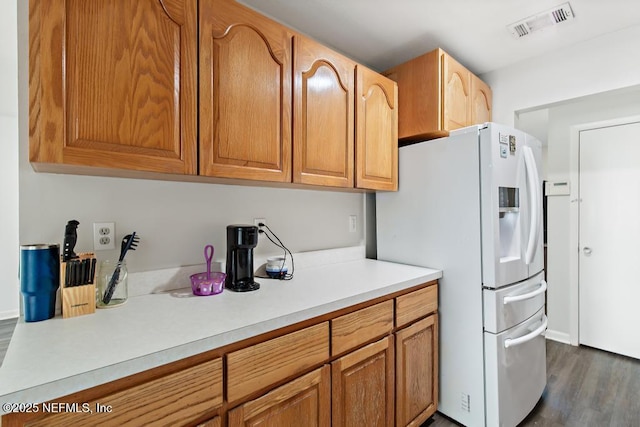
[8, 160]
[563, 82]
[561, 119]
[598, 65]
[174, 219]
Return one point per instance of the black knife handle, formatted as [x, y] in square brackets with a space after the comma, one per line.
[70, 238]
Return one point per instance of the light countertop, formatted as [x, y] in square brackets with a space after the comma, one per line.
[49, 359]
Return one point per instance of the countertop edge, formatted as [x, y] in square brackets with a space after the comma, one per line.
[55, 389]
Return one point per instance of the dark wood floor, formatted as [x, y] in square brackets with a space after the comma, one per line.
[6, 331]
[585, 387]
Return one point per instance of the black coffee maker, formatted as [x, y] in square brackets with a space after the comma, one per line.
[241, 239]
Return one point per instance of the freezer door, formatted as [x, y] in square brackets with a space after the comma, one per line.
[510, 305]
[505, 204]
[515, 371]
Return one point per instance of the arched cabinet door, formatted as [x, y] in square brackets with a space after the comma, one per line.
[481, 100]
[323, 137]
[376, 131]
[113, 84]
[245, 94]
[456, 94]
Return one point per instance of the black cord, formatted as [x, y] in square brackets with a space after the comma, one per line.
[283, 275]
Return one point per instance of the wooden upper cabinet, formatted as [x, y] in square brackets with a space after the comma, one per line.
[456, 94]
[323, 102]
[436, 94]
[481, 100]
[113, 84]
[376, 131]
[245, 94]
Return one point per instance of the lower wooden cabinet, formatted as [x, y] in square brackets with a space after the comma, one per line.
[178, 398]
[362, 386]
[303, 401]
[213, 422]
[374, 364]
[417, 372]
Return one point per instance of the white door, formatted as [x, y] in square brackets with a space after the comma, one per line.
[609, 238]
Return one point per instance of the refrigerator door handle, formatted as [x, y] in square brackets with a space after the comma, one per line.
[532, 179]
[512, 342]
[528, 295]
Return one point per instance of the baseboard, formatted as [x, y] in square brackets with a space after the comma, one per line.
[10, 314]
[558, 336]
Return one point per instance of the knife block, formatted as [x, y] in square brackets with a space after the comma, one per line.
[78, 300]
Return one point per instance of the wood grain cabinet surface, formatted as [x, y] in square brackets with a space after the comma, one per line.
[481, 101]
[174, 399]
[363, 386]
[113, 84]
[245, 94]
[354, 329]
[262, 365]
[417, 372]
[302, 401]
[374, 364]
[323, 115]
[376, 131]
[436, 94]
[209, 88]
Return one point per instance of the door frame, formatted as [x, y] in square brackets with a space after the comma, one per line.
[574, 218]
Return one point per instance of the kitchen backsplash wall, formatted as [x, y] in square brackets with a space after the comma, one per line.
[176, 219]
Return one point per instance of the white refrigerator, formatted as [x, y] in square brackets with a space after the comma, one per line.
[471, 205]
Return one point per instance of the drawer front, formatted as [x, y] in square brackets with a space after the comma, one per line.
[415, 305]
[354, 329]
[176, 398]
[255, 368]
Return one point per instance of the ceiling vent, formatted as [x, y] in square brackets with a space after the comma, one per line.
[541, 21]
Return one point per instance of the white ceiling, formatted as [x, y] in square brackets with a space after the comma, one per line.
[384, 33]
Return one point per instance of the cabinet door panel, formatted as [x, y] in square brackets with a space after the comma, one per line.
[362, 386]
[417, 372]
[113, 84]
[245, 94]
[456, 94]
[480, 102]
[323, 115]
[376, 131]
[303, 401]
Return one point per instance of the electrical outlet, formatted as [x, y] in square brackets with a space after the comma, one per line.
[104, 236]
[353, 223]
[257, 221]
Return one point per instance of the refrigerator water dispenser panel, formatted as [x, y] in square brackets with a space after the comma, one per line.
[509, 223]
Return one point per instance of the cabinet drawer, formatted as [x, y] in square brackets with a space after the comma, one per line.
[176, 398]
[415, 305]
[256, 367]
[357, 328]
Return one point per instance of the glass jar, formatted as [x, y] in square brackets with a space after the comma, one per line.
[115, 271]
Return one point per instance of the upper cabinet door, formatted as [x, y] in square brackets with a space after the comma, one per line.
[245, 94]
[113, 84]
[376, 131]
[481, 99]
[323, 137]
[456, 94]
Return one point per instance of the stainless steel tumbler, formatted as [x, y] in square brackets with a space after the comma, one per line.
[39, 280]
